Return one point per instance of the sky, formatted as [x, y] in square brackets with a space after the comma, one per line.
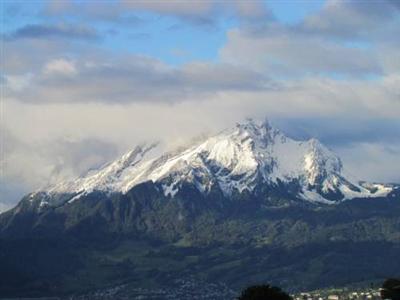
[84, 81]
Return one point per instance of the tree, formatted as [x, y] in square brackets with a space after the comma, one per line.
[391, 289]
[263, 292]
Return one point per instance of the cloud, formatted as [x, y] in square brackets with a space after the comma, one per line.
[199, 13]
[374, 162]
[29, 55]
[206, 14]
[72, 106]
[348, 132]
[282, 53]
[132, 79]
[395, 4]
[101, 11]
[28, 166]
[358, 19]
[69, 138]
[60, 66]
[344, 38]
[54, 31]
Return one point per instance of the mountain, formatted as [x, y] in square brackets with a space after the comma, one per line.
[247, 205]
[247, 158]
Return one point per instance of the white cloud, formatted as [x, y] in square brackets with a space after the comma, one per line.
[18, 82]
[373, 162]
[60, 66]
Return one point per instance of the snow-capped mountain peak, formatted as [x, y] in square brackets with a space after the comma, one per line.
[247, 157]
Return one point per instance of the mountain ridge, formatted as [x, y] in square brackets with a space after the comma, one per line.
[238, 158]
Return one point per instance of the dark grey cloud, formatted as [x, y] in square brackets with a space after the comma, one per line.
[14, 11]
[344, 131]
[56, 31]
[395, 3]
[358, 20]
[205, 14]
[100, 11]
[134, 79]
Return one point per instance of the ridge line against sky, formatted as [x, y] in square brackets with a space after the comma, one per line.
[84, 81]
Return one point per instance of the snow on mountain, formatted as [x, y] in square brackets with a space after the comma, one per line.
[236, 159]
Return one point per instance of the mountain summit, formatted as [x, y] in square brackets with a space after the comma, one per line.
[251, 157]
